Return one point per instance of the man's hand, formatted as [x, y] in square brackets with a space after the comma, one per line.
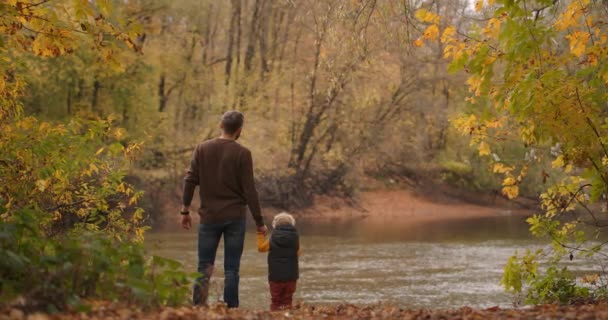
[186, 221]
[262, 229]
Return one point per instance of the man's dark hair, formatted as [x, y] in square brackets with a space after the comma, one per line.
[232, 121]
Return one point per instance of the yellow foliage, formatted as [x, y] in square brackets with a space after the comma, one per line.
[510, 192]
[558, 162]
[570, 17]
[590, 279]
[492, 29]
[527, 133]
[93, 168]
[465, 124]
[484, 149]
[474, 82]
[509, 181]
[42, 184]
[427, 16]
[578, 42]
[431, 32]
[448, 34]
[59, 172]
[501, 168]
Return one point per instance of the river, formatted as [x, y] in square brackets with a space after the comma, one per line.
[434, 265]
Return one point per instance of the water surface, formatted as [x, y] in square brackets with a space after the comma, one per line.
[433, 265]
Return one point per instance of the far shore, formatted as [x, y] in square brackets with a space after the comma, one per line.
[405, 206]
[386, 205]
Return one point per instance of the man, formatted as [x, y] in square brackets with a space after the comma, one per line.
[223, 170]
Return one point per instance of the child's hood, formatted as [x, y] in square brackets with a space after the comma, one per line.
[285, 236]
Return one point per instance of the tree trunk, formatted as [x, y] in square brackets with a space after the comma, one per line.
[162, 97]
[236, 9]
[69, 100]
[262, 34]
[95, 97]
[253, 34]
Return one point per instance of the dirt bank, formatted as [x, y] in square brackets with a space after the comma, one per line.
[384, 205]
[403, 205]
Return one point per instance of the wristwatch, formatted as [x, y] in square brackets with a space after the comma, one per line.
[184, 213]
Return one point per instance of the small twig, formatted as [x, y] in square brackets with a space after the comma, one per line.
[587, 24]
[580, 249]
[597, 167]
[573, 196]
[590, 122]
[66, 205]
[31, 5]
[480, 41]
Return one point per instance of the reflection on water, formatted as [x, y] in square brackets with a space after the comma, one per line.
[440, 264]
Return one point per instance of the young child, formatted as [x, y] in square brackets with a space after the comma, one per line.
[283, 251]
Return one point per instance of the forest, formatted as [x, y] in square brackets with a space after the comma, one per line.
[493, 103]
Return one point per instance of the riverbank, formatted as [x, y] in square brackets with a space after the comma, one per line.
[405, 206]
[590, 311]
[385, 205]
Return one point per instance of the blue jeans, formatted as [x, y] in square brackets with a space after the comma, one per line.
[208, 240]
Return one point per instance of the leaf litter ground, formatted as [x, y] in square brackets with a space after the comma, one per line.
[342, 311]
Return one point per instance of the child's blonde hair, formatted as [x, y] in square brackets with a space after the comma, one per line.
[283, 218]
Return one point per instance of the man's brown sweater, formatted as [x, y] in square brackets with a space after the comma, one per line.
[223, 170]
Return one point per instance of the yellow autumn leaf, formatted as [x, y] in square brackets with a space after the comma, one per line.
[478, 5]
[509, 181]
[448, 34]
[431, 32]
[119, 133]
[558, 162]
[44, 126]
[578, 42]
[58, 174]
[492, 29]
[510, 191]
[465, 123]
[42, 184]
[570, 17]
[418, 42]
[590, 279]
[484, 149]
[427, 16]
[510, 188]
[474, 83]
[501, 168]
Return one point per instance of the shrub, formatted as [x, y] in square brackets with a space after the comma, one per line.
[58, 273]
[69, 226]
[553, 285]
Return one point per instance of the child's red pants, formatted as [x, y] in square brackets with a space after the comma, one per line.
[281, 293]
